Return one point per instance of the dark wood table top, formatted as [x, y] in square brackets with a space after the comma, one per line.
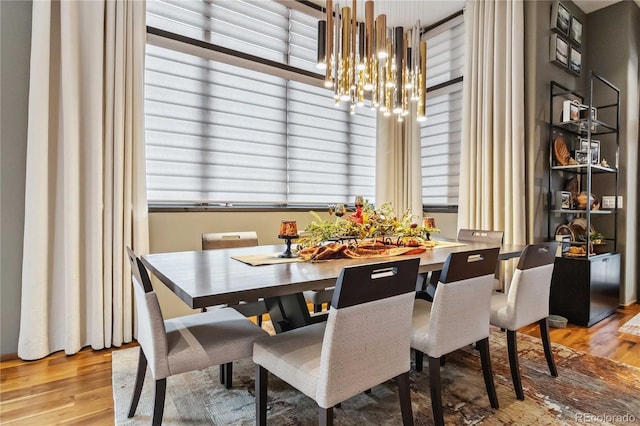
[212, 277]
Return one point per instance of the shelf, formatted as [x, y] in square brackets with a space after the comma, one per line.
[583, 169]
[581, 127]
[584, 288]
[576, 211]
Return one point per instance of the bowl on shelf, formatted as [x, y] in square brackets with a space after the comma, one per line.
[582, 199]
[600, 248]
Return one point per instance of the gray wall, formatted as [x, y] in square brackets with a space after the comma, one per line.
[15, 42]
[619, 25]
[610, 48]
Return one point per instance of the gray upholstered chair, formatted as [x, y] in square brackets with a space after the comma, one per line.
[364, 342]
[457, 317]
[221, 240]
[253, 308]
[470, 235]
[319, 297]
[182, 344]
[527, 302]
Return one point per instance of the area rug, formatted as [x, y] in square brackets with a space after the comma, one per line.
[589, 389]
[632, 326]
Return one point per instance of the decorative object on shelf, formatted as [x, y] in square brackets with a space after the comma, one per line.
[563, 230]
[563, 200]
[595, 149]
[582, 156]
[288, 232]
[570, 110]
[571, 185]
[389, 65]
[604, 163]
[578, 227]
[560, 18]
[582, 200]
[575, 33]
[559, 51]
[560, 151]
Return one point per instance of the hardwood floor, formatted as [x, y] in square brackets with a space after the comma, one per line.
[76, 390]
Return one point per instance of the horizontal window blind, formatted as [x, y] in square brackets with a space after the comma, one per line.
[221, 134]
[441, 132]
[331, 153]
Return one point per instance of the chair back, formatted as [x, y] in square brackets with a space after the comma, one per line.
[528, 297]
[367, 336]
[480, 235]
[461, 304]
[152, 335]
[220, 240]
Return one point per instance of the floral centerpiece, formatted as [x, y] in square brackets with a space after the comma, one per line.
[367, 231]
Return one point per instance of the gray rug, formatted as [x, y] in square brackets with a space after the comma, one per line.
[588, 390]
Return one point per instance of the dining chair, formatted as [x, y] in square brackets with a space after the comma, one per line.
[254, 308]
[527, 302]
[470, 235]
[178, 345]
[364, 342]
[458, 316]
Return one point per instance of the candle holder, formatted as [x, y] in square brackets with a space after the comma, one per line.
[287, 253]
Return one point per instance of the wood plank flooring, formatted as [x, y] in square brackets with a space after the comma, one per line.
[76, 390]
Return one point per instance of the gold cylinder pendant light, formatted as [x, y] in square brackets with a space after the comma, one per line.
[422, 83]
[368, 60]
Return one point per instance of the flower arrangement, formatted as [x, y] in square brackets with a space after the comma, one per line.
[365, 223]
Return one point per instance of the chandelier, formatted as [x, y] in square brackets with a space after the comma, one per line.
[367, 60]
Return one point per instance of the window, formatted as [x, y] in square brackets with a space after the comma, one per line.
[218, 133]
[441, 133]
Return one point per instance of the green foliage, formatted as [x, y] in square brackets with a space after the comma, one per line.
[374, 223]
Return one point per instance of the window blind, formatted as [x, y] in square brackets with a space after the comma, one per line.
[221, 134]
[441, 132]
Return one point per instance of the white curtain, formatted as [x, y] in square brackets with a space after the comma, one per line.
[398, 157]
[492, 171]
[85, 194]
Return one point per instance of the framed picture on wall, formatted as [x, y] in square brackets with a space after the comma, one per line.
[575, 61]
[560, 18]
[576, 31]
[559, 50]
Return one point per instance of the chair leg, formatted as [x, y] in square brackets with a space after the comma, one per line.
[546, 342]
[158, 408]
[317, 308]
[228, 375]
[419, 360]
[405, 399]
[261, 395]
[485, 358]
[137, 389]
[325, 417]
[259, 320]
[512, 346]
[222, 371]
[435, 386]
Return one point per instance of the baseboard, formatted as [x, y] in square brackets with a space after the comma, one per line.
[626, 305]
[8, 357]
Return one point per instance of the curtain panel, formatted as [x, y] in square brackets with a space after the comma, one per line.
[85, 196]
[398, 164]
[492, 166]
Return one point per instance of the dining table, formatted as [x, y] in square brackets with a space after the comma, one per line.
[204, 278]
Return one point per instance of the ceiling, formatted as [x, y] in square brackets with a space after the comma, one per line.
[588, 6]
[404, 12]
